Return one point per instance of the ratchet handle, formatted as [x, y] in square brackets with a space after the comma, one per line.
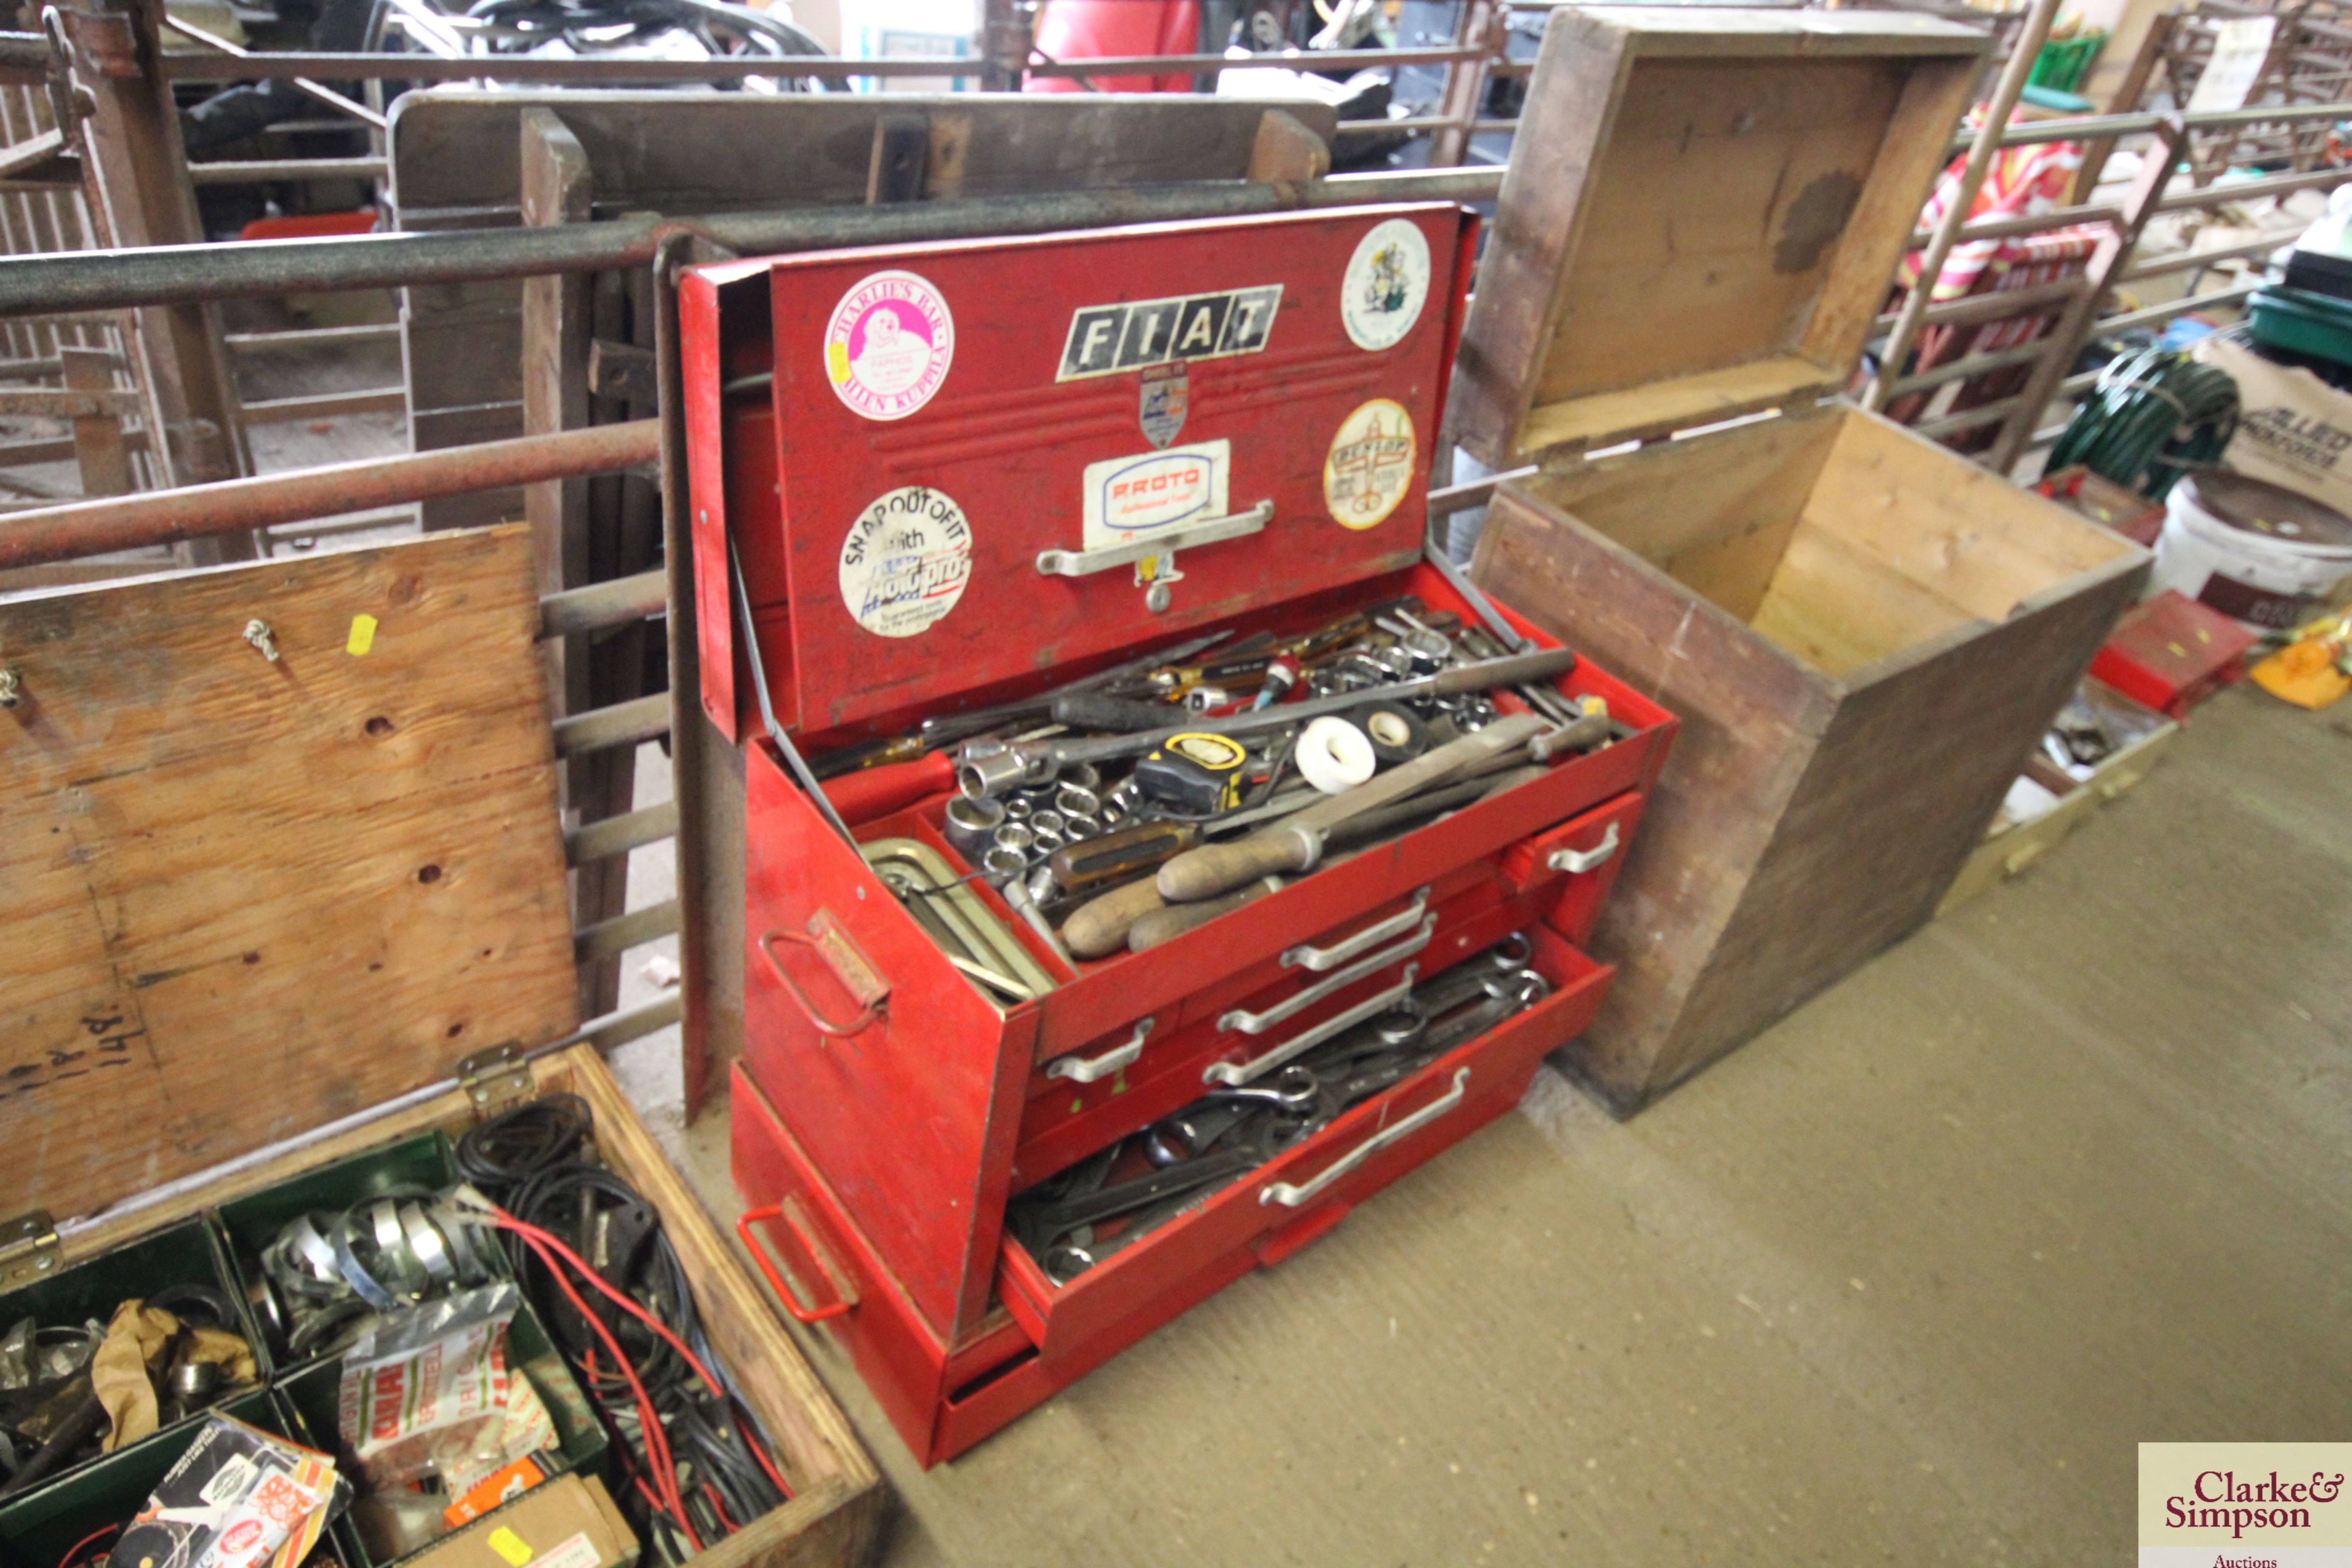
[1091, 710]
[1169, 922]
[1213, 868]
[1099, 928]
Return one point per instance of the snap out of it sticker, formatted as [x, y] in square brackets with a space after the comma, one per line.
[888, 345]
[1369, 466]
[1126, 499]
[362, 636]
[1386, 284]
[906, 562]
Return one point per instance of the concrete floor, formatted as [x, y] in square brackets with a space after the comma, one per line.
[1904, 1281]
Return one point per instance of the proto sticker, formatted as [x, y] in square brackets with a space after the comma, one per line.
[1386, 284]
[1370, 464]
[889, 345]
[1128, 499]
[906, 562]
[1166, 398]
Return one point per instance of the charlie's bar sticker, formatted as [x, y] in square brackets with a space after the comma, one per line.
[2244, 1505]
[1107, 339]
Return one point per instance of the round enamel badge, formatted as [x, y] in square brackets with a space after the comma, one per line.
[1369, 466]
[888, 345]
[1386, 285]
[906, 562]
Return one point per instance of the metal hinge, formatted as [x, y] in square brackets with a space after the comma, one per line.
[496, 1079]
[29, 1249]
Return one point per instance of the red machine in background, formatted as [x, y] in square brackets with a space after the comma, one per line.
[961, 476]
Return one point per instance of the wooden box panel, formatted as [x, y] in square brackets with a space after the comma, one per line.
[294, 892]
[333, 873]
[1702, 209]
[1860, 634]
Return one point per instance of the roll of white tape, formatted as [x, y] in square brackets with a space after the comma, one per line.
[1333, 755]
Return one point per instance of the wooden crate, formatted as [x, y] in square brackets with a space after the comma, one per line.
[255, 897]
[2014, 842]
[1860, 632]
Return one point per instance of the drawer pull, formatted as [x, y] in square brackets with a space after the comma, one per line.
[1081, 1070]
[1208, 530]
[1244, 1023]
[1577, 861]
[843, 1298]
[1371, 1007]
[1319, 959]
[1290, 1196]
[856, 973]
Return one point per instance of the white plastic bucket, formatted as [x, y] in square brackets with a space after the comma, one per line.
[2254, 550]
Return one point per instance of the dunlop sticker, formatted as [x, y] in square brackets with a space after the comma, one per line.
[1386, 284]
[1370, 464]
[888, 345]
[906, 562]
[1157, 492]
[1107, 339]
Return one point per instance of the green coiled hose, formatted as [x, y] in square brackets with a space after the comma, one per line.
[2151, 415]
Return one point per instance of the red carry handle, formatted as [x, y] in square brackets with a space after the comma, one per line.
[852, 969]
[752, 1243]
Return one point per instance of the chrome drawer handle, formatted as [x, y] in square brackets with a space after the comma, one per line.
[1244, 1023]
[1078, 1069]
[1371, 1007]
[1319, 959]
[1290, 1196]
[1208, 530]
[1577, 861]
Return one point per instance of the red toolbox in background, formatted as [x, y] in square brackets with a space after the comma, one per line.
[961, 475]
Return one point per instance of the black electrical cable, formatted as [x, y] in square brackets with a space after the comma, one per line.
[507, 1151]
[537, 1160]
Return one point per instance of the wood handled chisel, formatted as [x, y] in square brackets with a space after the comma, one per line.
[1296, 842]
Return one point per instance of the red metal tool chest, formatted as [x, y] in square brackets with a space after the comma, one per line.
[1051, 455]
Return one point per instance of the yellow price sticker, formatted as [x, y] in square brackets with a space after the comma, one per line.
[510, 1546]
[362, 636]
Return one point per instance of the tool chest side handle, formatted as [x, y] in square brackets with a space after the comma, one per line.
[1318, 959]
[843, 1298]
[1238, 1021]
[1290, 1196]
[856, 973]
[1237, 1073]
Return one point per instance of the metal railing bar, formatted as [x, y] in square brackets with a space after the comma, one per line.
[181, 274]
[600, 604]
[233, 506]
[2184, 260]
[326, 405]
[1452, 499]
[1967, 419]
[618, 835]
[620, 1026]
[2031, 223]
[1972, 308]
[626, 723]
[606, 939]
[309, 337]
[1974, 364]
[254, 172]
[2155, 313]
[2223, 193]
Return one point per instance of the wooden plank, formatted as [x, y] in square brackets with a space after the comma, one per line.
[1699, 217]
[1750, 717]
[1965, 534]
[1732, 516]
[679, 152]
[1894, 799]
[98, 448]
[336, 871]
[1840, 608]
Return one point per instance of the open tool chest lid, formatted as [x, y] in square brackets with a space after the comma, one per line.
[946, 471]
[279, 842]
[1701, 215]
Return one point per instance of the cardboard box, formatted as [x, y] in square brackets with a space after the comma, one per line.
[568, 1522]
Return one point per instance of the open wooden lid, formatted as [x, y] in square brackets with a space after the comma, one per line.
[249, 895]
[1702, 214]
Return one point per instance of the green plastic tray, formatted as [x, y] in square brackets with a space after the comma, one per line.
[2304, 324]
